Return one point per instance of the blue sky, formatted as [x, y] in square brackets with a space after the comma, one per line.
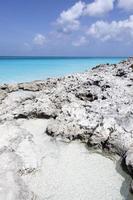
[66, 27]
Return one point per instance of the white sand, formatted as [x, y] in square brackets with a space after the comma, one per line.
[71, 172]
[63, 171]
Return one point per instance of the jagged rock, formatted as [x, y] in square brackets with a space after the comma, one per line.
[120, 73]
[131, 189]
[129, 160]
[95, 106]
[3, 94]
[30, 86]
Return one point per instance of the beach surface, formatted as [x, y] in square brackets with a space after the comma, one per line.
[70, 137]
[45, 168]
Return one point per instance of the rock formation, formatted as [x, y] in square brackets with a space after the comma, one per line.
[95, 107]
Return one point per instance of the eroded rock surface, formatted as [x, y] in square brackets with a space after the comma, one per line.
[95, 107]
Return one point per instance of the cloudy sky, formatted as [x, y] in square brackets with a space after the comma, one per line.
[66, 27]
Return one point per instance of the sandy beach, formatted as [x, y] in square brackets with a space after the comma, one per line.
[52, 129]
[55, 169]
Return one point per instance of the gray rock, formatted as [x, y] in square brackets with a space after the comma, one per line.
[3, 95]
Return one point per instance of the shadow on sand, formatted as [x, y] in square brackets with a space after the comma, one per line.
[126, 183]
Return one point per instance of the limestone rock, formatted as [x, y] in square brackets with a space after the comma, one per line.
[95, 107]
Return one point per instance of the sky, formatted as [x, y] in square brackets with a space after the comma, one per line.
[66, 28]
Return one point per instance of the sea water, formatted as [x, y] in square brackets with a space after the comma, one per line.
[22, 69]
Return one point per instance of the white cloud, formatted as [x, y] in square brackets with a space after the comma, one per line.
[125, 4]
[39, 39]
[99, 7]
[68, 26]
[73, 13]
[82, 40]
[27, 45]
[68, 20]
[116, 30]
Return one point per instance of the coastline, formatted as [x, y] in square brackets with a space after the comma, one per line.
[95, 107]
[28, 69]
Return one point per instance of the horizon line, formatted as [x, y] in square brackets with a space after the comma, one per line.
[64, 56]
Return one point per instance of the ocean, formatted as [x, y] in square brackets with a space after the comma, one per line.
[23, 69]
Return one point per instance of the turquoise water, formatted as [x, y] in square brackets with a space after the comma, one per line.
[19, 69]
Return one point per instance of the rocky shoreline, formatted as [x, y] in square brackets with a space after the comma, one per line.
[95, 107]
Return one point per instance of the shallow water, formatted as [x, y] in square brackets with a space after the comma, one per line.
[20, 69]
